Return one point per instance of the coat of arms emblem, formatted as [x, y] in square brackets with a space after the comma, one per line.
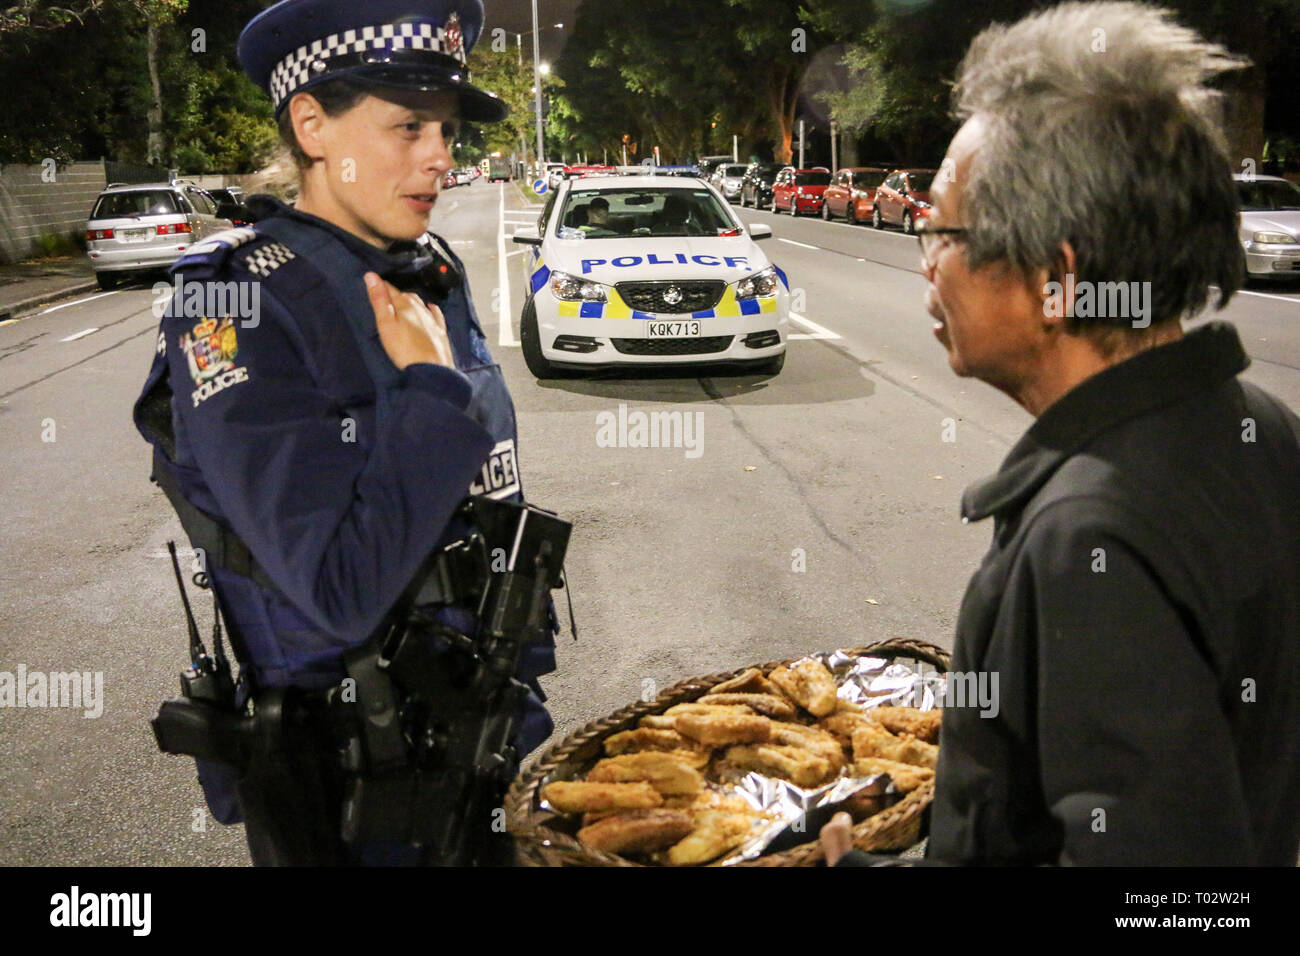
[210, 348]
[453, 38]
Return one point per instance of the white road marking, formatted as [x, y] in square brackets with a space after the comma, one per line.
[793, 243]
[506, 334]
[818, 331]
[866, 229]
[77, 302]
[1266, 295]
[80, 335]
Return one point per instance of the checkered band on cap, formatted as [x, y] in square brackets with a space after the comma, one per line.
[309, 62]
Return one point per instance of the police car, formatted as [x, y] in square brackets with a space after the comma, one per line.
[649, 270]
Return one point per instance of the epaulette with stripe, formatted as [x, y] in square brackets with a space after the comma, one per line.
[211, 254]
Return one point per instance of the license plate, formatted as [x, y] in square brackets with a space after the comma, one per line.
[132, 235]
[673, 330]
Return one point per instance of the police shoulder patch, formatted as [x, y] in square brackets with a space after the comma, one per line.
[265, 259]
[226, 240]
[211, 254]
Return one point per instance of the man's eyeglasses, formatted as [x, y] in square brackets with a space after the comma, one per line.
[931, 241]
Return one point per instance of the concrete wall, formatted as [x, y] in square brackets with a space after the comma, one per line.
[31, 207]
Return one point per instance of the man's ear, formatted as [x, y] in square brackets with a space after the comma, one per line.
[1056, 287]
[308, 118]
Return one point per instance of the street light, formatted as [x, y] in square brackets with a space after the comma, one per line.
[537, 83]
[519, 39]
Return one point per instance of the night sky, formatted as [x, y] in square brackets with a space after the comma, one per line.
[516, 16]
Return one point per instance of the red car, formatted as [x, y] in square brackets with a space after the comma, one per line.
[449, 181]
[800, 190]
[903, 199]
[852, 194]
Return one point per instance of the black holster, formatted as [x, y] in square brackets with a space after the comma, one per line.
[290, 785]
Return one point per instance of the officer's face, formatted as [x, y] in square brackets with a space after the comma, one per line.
[382, 164]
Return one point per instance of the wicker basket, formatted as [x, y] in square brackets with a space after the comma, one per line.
[538, 843]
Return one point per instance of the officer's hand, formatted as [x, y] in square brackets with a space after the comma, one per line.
[837, 838]
[410, 330]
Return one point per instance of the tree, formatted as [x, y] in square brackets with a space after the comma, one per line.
[781, 36]
[495, 66]
[667, 73]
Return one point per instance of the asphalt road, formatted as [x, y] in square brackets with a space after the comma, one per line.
[682, 563]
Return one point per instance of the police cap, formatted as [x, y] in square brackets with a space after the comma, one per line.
[408, 44]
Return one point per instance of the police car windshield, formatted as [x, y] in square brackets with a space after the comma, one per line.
[619, 213]
[139, 202]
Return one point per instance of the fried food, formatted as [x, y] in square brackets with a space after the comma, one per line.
[844, 723]
[637, 831]
[921, 724]
[644, 738]
[816, 741]
[574, 796]
[869, 741]
[700, 708]
[657, 722]
[721, 729]
[666, 772]
[801, 767]
[716, 832]
[906, 777]
[751, 681]
[765, 704]
[810, 685]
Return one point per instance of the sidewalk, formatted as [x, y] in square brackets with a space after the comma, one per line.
[28, 285]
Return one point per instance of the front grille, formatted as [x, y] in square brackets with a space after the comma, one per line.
[703, 346]
[649, 296]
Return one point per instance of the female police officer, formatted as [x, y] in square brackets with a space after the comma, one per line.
[332, 423]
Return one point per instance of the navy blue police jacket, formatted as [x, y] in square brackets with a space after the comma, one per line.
[339, 473]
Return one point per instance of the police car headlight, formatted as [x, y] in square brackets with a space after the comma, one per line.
[760, 284]
[572, 289]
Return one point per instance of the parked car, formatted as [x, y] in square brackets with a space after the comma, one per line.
[148, 226]
[708, 164]
[1269, 226]
[756, 187]
[903, 199]
[449, 181]
[800, 190]
[230, 205]
[555, 174]
[728, 178]
[852, 194]
[463, 177]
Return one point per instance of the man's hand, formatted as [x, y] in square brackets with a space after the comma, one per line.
[837, 838]
[410, 330]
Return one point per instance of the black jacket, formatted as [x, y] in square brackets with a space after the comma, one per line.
[1140, 605]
